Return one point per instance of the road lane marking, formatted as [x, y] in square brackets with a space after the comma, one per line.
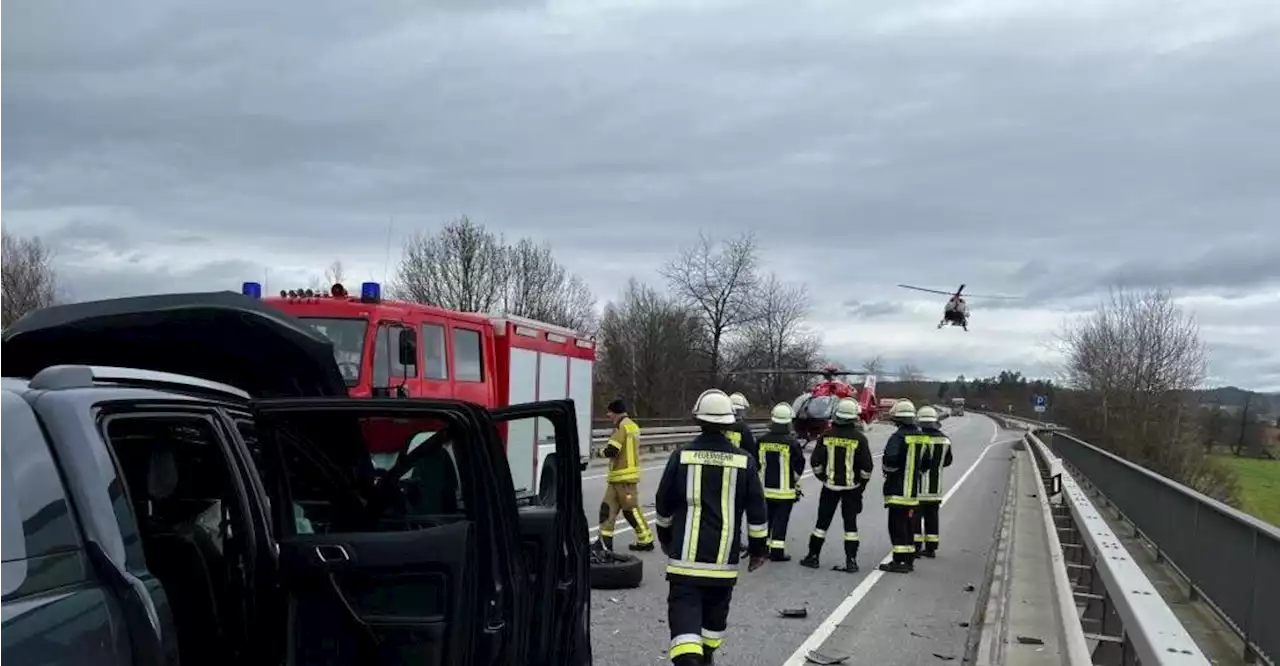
[828, 625]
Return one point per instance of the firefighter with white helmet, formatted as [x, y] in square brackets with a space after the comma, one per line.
[906, 455]
[741, 436]
[696, 534]
[842, 461]
[930, 495]
[781, 465]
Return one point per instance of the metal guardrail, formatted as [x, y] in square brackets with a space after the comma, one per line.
[1121, 613]
[1230, 559]
[658, 439]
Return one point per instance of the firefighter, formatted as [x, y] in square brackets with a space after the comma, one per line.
[740, 434]
[842, 461]
[706, 487]
[904, 456]
[742, 437]
[621, 492]
[781, 465]
[931, 482]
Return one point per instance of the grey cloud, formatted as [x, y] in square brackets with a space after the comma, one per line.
[873, 309]
[1026, 150]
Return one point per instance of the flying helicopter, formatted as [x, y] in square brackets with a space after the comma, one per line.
[956, 311]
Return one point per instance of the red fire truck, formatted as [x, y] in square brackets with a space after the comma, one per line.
[394, 348]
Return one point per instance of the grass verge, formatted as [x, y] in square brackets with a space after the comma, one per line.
[1259, 485]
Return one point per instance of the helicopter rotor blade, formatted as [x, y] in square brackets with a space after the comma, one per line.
[958, 291]
[931, 291]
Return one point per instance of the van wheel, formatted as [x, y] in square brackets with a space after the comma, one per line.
[547, 484]
[613, 571]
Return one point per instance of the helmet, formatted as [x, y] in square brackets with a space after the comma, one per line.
[847, 410]
[739, 401]
[903, 410]
[782, 413]
[713, 406]
[927, 414]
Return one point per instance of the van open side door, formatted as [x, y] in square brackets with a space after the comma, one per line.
[415, 564]
[554, 534]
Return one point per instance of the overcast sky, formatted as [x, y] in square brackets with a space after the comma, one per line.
[1033, 148]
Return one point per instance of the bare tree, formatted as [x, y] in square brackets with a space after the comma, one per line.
[460, 267]
[1134, 362]
[718, 283]
[774, 338]
[648, 352]
[29, 280]
[539, 287]
[908, 381]
[335, 273]
[874, 365]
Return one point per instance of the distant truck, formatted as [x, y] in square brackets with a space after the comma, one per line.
[957, 406]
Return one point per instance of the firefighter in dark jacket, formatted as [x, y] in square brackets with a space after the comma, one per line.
[930, 494]
[742, 437]
[705, 489]
[905, 457]
[781, 465]
[842, 461]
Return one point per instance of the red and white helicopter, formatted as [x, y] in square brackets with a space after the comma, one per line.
[815, 407]
[956, 311]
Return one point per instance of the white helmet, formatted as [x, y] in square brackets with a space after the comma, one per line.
[927, 414]
[903, 409]
[713, 406]
[739, 401]
[847, 410]
[782, 413]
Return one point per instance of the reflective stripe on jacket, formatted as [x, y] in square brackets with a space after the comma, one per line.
[906, 456]
[705, 489]
[940, 453]
[625, 440]
[781, 463]
[842, 458]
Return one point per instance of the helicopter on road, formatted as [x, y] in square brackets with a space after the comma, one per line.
[956, 311]
[815, 407]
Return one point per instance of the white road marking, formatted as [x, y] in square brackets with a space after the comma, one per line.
[828, 626]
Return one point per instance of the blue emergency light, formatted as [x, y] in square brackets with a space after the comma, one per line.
[370, 292]
[251, 289]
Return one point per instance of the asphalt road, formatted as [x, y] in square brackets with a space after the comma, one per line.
[886, 619]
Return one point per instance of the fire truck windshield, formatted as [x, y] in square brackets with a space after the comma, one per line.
[347, 336]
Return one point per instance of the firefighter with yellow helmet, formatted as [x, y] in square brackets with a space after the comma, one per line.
[621, 495]
[842, 461]
[707, 486]
[781, 464]
[927, 538]
[906, 456]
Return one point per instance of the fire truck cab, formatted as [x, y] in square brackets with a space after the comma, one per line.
[388, 348]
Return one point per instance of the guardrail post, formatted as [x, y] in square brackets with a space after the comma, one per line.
[1193, 592]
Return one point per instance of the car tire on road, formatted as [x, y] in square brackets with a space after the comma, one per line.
[616, 572]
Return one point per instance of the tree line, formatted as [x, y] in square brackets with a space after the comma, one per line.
[28, 276]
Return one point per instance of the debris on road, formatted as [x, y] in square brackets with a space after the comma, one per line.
[794, 612]
[824, 659]
[1030, 640]
[969, 588]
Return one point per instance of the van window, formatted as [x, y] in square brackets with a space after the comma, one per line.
[37, 518]
[433, 352]
[468, 358]
[386, 357]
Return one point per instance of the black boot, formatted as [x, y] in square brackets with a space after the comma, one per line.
[895, 567]
[850, 566]
[810, 560]
[641, 546]
[779, 555]
[850, 557]
[708, 656]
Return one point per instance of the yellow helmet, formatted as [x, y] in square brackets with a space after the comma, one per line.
[782, 413]
[903, 410]
[713, 406]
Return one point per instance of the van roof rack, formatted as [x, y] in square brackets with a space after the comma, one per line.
[57, 377]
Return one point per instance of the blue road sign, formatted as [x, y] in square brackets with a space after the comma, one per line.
[1041, 401]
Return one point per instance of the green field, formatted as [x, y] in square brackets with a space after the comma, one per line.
[1259, 485]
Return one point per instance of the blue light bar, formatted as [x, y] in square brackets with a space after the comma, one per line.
[370, 292]
[251, 289]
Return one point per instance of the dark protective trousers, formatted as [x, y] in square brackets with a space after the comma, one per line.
[902, 533]
[779, 518]
[926, 522]
[698, 616]
[850, 503]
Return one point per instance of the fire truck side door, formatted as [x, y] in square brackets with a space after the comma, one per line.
[554, 534]
[370, 580]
